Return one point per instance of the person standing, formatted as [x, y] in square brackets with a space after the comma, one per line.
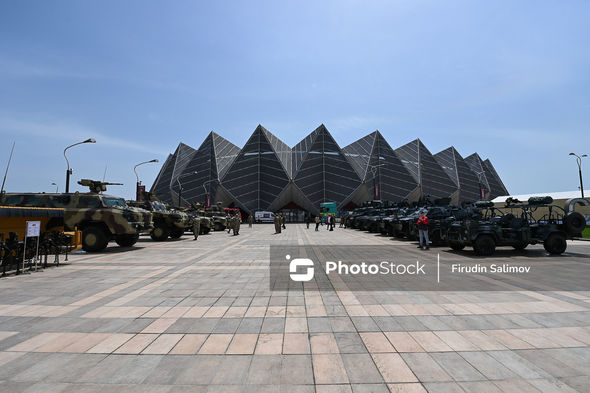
[307, 220]
[317, 223]
[196, 227]
[250, 221]
[236, 225]
[422, 225]
[332, 222]
[277, 222]
[283, 219]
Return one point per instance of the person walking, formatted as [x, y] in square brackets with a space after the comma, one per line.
[283, 219]
[422, 225]
[277, 222]
[196, 227]
[250, 221]
[317, 223]
[307, 220]
[332, 222]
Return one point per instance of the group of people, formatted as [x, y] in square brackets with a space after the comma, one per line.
[279, 223]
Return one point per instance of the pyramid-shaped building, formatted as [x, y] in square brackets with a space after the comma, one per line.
[382, 173]
[468, 186]
[266, 174]
[321, 171]
[259, 173]
[433, 181]
[487, 176]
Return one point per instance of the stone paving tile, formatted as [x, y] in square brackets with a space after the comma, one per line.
[425, 367]
[393, 368]
[329, 369]
[296, 343]
[269, 344]
[487, 365]
[136, 344]
[242, 344]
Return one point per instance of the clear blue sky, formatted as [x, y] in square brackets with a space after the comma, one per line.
[508, 79]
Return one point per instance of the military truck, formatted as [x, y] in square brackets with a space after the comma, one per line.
[100, 217]
[167, 222]
[517, 225]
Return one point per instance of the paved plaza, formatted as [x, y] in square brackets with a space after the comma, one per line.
[198, 316]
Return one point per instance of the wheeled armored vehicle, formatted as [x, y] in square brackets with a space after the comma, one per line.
[100, 217]
[167, 222]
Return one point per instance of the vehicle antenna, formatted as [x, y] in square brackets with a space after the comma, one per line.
[7, 166]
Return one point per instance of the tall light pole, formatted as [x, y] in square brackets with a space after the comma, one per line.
[180, 185]
[69, 171]
[138, 183]
[56, 187]
[374, 171]
[579, 162]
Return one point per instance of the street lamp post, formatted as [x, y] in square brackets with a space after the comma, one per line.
[180, 185]
[69, 171]
[56, 187]
[138, 183]
[579, 162]
[374, 171]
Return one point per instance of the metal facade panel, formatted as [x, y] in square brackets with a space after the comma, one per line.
[394, 181]
[325, 175]
[257, 176]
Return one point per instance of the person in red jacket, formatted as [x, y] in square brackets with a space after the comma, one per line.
[422, 225]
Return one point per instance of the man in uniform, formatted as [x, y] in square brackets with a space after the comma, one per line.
[250, 221]
[277, 222]
[230, 223]
[196, 226]
[236, 225]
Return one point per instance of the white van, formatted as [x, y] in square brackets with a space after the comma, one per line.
[264, 216]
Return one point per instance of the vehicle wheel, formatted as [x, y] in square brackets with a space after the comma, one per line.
[456, 246]
[175, 233]
[520, 246]
[555, 243]
[219, 227]
[94, 239]
[484, 245]
[159, 233]
[574, 223]
[127, 240]
[205, 231]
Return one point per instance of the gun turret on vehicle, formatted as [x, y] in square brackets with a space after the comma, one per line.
[97, 186]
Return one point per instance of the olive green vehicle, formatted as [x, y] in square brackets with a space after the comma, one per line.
[100, 217]
[167, 222]
[197, 213]
[217, 216]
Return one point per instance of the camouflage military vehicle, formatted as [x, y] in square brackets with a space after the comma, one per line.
[217, 216]
[167, 222]
[100, 217]
[196, 213]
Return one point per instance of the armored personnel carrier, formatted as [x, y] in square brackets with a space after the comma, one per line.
[100, 217]
[167, 222]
